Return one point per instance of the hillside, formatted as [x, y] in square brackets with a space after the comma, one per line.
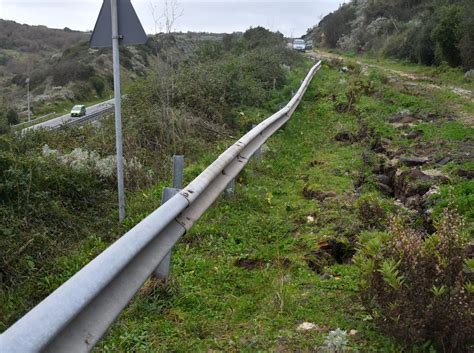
[354, 231]
[429, 32]
[63, 70]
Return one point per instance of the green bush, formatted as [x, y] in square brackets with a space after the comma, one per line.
[419, 288]
[447, 34]
[4, 125]
[98, 84]
[12, 117]
[40, 199]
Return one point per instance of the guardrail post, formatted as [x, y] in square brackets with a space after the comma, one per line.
[163, 270]
[178, 170]
[230, 189]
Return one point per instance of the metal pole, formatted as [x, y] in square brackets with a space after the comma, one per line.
[28, 95]
[178, 167]
[118, 109]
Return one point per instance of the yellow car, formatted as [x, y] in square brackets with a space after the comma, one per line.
[78, 110]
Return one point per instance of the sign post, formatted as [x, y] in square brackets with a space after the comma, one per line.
[116, 25]
[28, 97]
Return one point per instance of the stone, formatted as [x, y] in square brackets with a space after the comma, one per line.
[413, 201]
[307, 326]
[444, 161]
[414, 161]
[466, 174]
[414, 134]
[382, 178]
[434, 190]
[345, 137]
[385, 188]
[469, 76]
[352, 332]
[437, 175]
[410, 183]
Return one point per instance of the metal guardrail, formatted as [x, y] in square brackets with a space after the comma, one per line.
[32, 121]
[87, 118]
[77, 314]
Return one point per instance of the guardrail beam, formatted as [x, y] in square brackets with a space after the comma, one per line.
[77, 314]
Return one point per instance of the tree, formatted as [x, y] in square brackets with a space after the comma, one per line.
[447, 34]
[12, 117]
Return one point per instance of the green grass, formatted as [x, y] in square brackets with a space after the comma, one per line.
[213, 304]
[436, 74]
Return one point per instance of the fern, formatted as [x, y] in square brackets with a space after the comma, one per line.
[391, 274]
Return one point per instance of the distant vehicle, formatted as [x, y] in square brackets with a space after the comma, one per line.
[309, 45]
[78, 110]
[299, 45]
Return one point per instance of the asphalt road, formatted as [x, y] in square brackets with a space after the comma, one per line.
[66, 119]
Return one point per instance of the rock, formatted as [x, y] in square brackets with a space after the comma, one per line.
[307, 326]
[402, 119]
[410, 183]
[344, 69]
[414, 161]
[434, 190]
[413, 201]
[352, 332]
[469, 76]
[385, 188]
[414, 134]
[345, 137]
[325, 275]
[382, 178]
[443, 161]
[437, 175]
[466, 174]
[395, 162]
[408, 120]
[310, 194]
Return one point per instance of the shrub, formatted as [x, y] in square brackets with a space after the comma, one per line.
[41, 202]
[420, 289]
[68, 71]
[4, 125]
[12, 117]
[98, 84]
[372, 211]
[447, 33]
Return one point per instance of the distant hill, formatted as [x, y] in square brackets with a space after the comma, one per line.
[423, 31]
[61, 66]
[36, 39]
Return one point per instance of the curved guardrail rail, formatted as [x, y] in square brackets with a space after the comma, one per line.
[77, 314]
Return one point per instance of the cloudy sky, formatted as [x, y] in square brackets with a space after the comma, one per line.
[290, 17]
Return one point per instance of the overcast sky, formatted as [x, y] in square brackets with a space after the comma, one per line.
[292, 18]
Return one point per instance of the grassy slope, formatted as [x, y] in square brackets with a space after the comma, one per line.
[212, 303]
[241, 280]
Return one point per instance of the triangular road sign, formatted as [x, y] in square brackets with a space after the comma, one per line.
[129, 27]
